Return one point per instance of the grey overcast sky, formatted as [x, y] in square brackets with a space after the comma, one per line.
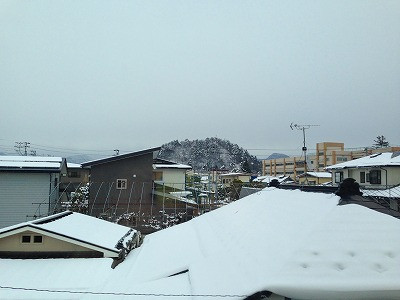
[136, 74]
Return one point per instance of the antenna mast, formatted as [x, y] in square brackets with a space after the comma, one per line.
[304, 149]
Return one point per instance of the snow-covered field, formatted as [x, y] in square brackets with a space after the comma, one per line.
[296, 244]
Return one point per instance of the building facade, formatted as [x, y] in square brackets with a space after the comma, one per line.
[121, 184]
[29, 187]
[327, 154]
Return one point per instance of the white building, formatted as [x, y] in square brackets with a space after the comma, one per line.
[170, 174]
[29, 187]
[380, 170]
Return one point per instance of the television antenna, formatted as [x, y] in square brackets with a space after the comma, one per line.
[304, 149]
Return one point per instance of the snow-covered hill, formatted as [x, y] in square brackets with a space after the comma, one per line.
[210, 153]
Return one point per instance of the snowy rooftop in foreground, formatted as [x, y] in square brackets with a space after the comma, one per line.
[296, 244]
[375, 160]
[79, 227]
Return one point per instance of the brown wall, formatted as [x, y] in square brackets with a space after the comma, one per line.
[106, 198]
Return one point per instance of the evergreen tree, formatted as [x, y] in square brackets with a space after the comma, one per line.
[246, 167]
[380, 142]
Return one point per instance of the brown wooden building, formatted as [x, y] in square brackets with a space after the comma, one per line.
[121, 184]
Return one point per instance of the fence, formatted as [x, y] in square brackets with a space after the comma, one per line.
[148, 206]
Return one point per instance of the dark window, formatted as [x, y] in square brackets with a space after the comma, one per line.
[74, 174]
[375, 177]
[338, 177]
[367, 177]
[26, 239]
[121, 184]
[38, 239]
[362, 177]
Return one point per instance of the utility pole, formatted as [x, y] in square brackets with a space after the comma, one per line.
[19, 145]
[26, 146]
[304, 149]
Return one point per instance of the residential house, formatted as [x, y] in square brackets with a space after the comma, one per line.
[380, 170]
[77, 178]
[121, 184]
[275, 244]
[29, 187]
[66, 235]
[228, 178]
[170, 174]
[315, 178]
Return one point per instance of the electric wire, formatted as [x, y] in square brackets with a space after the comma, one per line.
[122, 293]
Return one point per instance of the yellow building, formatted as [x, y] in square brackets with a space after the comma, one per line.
[327, 154]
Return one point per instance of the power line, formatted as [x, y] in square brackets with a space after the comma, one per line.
[121, 293]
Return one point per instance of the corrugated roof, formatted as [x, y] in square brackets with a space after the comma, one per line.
[30, 163]
[120, 157]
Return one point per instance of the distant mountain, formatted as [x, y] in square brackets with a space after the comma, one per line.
[211, 153]
[276, 156]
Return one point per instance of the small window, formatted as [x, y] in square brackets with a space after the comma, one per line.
[121, 184]
[375, 177]
[26, 239]
[362, 177]
[367, 177]
[74, 174]
[338, 177]
[38, 239]
[158, 176]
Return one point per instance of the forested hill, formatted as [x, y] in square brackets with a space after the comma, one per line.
[211, 153]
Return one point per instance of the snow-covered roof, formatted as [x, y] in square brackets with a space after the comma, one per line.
[393, 192]
[114, 158]
[387, 159]
[296, 244]
[171, 166]
[233, 174]
[75, 226]
[317, 174]
[268, 178]
[73, 165]
[30, 162]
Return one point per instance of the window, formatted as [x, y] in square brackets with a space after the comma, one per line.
[362, 177]
[121, 184]
[375, 177]
[367, 177]
[37, 239]
[339, 158]
[26, 239]
[74, 174]
[158, 176]
[338, 177]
